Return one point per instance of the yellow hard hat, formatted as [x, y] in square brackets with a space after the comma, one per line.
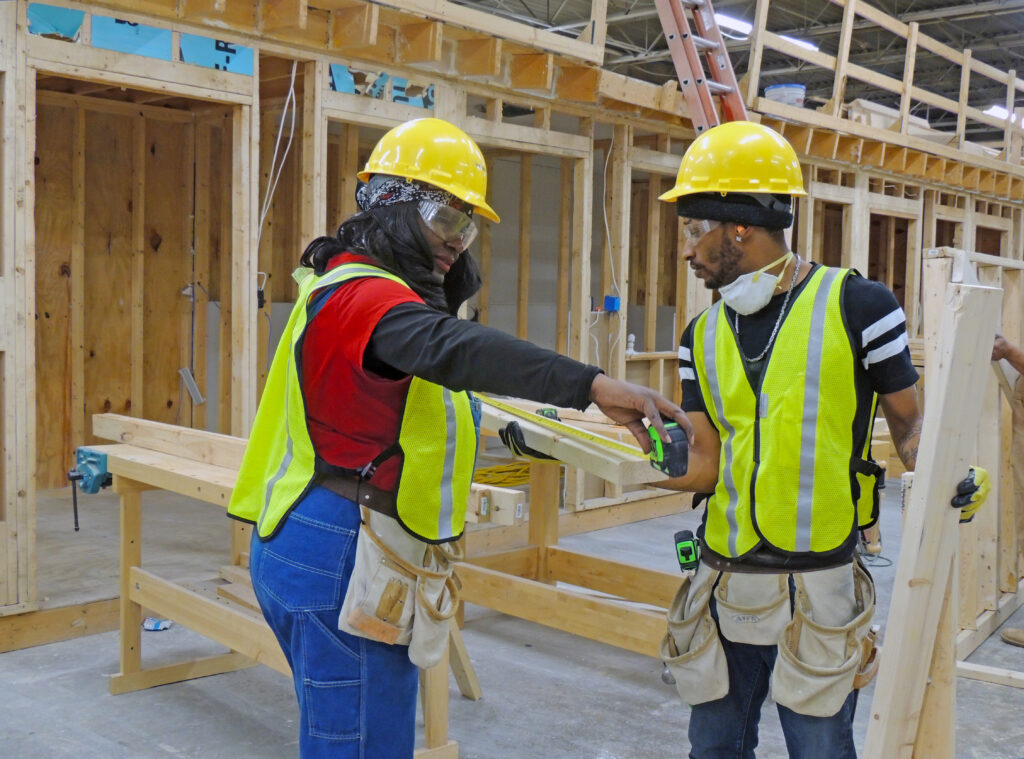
[741, 157]
[436, 152]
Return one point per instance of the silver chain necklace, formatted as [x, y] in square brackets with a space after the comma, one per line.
[778, 322]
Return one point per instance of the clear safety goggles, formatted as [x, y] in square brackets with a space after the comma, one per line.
[695, 229]
[451, 225]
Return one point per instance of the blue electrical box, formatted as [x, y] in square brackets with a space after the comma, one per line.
[611, 304]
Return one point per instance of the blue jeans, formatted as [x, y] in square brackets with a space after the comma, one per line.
[357, 697]
[727, 728]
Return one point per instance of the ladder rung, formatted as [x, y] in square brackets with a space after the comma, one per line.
[701, 43]
[692, 3]
[718, 88]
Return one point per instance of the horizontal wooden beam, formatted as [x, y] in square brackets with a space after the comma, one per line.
[37, 628]
[616, 578]
[241, 631]
[611, 622]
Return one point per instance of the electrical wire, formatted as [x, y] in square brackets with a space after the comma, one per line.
[275, 168]
[503, 475]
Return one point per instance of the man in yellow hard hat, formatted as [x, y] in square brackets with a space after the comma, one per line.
[361, 456]
[780, 380]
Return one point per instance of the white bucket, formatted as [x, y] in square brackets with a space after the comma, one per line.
[788, 94]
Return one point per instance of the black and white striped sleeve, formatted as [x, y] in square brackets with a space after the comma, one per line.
[692, 399]
[879, 329]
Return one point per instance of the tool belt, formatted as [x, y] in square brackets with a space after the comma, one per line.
[362, 493]
[402, 591]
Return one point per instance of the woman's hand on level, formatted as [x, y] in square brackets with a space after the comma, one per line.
[629, 404]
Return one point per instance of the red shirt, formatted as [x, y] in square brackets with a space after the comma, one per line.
[353, 414]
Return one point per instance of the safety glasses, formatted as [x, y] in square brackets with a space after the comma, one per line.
[451, 225]
[695, 229]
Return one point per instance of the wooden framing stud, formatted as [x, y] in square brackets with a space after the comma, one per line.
[421, 42]
[353, 27]
[478, 57]
[202, 9]
[532, 71]
[278, 15]
[578, 83]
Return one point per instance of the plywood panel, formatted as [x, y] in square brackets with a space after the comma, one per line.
[108, 260]
[54, 198]
[168, 268]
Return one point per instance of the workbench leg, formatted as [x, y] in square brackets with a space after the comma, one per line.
[434, 692]
[131, 556]
[462, 667]
[545, 494]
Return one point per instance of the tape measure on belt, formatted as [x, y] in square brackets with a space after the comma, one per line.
[561, 427]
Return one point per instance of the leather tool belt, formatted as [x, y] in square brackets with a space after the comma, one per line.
[362, 493]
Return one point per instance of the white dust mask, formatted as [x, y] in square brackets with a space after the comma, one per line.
[749, 293]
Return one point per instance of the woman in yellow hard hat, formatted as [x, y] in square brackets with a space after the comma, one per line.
[365, 407]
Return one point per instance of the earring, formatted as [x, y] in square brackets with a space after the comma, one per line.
[739, 239]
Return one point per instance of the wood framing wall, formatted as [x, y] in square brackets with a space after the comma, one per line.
[133, 191]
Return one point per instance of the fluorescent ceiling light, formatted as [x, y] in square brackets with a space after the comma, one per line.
[999, 112]
[733, 23]
[801, 43]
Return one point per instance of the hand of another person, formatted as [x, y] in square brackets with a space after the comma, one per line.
[971, 493]
[629, 404]
[1000, 348]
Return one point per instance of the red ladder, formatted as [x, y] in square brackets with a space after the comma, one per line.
[685, 47]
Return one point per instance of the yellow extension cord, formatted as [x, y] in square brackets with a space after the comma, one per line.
[504, 475]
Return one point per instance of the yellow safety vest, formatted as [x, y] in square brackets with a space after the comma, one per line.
[788, 471]
[437, 438]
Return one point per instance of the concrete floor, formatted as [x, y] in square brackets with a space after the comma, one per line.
[546, 693]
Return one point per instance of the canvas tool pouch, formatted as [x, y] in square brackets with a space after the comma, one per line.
[437, 599]
[752, 608]
[380, 600]
[822, 649]
[691, 648]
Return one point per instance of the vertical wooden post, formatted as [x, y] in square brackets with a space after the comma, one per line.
[753, 75]
[434, 690]
[582, 226]
[483, 299]
[523, 272]
[857, 226]
[653, 262]
[79, 427]
[1011, 91]
[131, 556]
[835, 105]
[961, 114]
[313, 184]
[138, 358]
[545, 492]
[564, 254]
[201, 262]
[618, 245]
[936, 731]
[908, 77]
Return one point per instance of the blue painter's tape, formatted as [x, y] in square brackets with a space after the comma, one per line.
[216, 54]
[128, 37]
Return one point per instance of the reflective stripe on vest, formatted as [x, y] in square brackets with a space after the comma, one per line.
[786, 451]
[437, 435]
